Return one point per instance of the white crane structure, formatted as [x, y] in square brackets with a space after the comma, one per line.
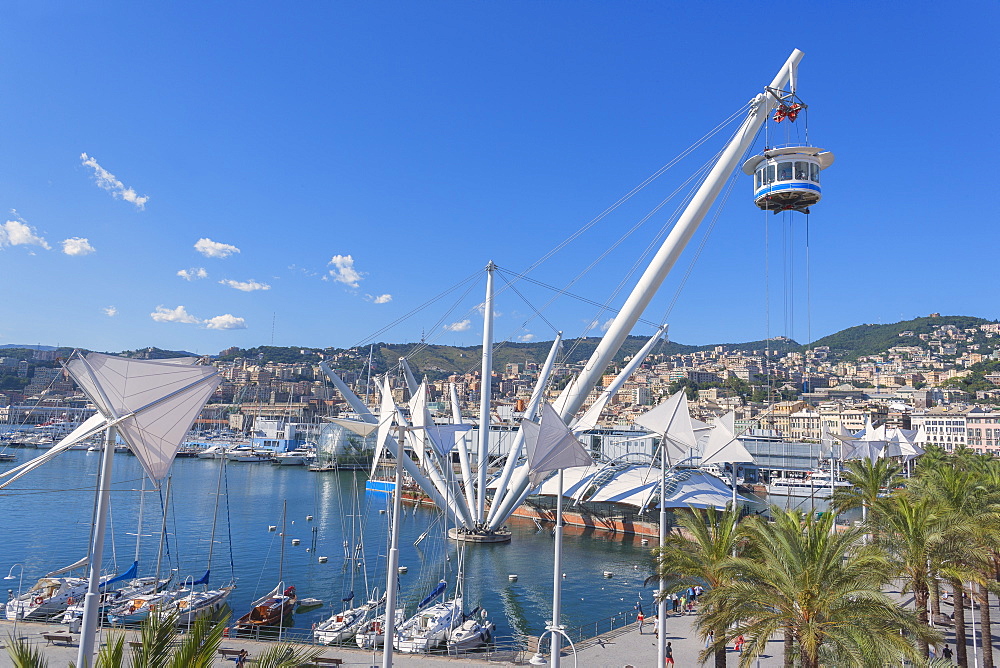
[464, 500]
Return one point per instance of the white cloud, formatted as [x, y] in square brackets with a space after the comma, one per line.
[107, 180]
[607, 324]
[110, 311]
[19, 233]
[210, 248]
[524, 338]
[379, 299]
[179, 314]
[343, 270]
[192, 274]
[227, 321]
[460, 326]
[481, 307]
[245, 286]
[77, 246]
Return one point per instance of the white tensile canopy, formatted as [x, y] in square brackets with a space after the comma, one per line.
[153, 403]
[551, 445]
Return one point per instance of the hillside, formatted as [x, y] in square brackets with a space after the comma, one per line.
[860, 340]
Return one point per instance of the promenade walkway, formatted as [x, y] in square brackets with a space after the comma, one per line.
[622, 647]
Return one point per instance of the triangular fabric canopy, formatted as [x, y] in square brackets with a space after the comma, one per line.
[357, 426]
[385, 419]
[672, 420]
[153, 403]
[551, 446]
[723, 446]
[870, 450]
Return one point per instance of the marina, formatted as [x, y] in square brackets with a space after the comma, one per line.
[43, 541]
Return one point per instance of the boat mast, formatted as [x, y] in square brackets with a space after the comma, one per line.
[485, 393]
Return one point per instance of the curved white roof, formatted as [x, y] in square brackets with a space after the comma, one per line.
[824, 157]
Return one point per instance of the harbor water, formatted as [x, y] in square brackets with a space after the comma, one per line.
[47, 516]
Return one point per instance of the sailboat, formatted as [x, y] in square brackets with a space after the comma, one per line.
[474, 632]
[49, 596]
[431, 625]
[191, 604]
[271, 609]
[342, 626]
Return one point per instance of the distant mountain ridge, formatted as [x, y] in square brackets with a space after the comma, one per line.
[441, 360]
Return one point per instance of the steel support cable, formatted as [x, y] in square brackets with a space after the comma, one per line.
[420, 347]
[563, 292]
[406, 316]
[655, 175]
[698, 177]
[701, 246]
[517, 292]
[695, 179]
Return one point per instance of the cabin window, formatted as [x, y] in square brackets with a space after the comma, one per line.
[770, 174]
[801, 171]
[785, 171]
[758, 176]
[814, 172]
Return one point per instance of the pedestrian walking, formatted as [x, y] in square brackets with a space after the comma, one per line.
[740, 640]
[669, 654]
[946, 652]
[709, 639]
[641, 620]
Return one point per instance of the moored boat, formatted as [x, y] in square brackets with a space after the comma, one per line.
[268, 610]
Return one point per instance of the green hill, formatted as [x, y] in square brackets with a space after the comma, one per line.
[860, 340]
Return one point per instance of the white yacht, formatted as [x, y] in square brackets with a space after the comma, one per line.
[300, 456]
[474, 632]
[248, 454]
[429, 628]
[816, 484]
[371, 635]
[48, 597]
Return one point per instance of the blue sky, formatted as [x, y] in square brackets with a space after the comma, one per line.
[318, 170]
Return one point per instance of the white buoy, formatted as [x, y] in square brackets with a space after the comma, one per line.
[645, 541]
[608, 574]
[309, 518]
[403, 569]
[512, 577]
[322, 560]
[272, 528]
[296, 541]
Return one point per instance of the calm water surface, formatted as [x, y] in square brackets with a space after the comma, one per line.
[46, 522]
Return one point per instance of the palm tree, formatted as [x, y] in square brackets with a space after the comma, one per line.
[821, 589]
[912, 533]
[868, 480]
[25, 654]
[696, 556]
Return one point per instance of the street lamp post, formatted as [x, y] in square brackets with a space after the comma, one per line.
[17, 601]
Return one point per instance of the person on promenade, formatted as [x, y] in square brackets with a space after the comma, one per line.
[739, 643]
[640, 618]
[946, 652]
[669, 654]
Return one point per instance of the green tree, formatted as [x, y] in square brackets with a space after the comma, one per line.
[821, 589]
[869, 479]
[696, 557]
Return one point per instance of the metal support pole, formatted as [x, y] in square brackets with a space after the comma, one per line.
[91, 602]
[555, 626]
[661, 605]
[486, 396]
[393, 569]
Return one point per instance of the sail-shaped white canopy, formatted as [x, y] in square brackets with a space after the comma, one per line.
[723, 446]
[387, 414]
[672, 420]
[153, 403]
[551, 445]
[870, 450]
